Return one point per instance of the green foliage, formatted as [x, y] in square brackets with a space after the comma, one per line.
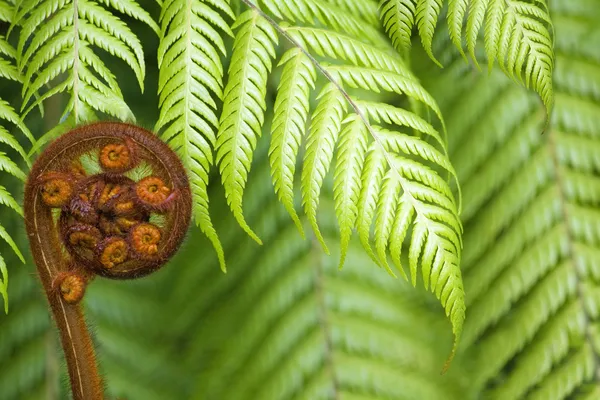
[7, 164]
[190, 74]
[362, 136]
[56, 38]
[531, 216]
[244, 106]
[518, 34]
[382, 176]
[351, 331]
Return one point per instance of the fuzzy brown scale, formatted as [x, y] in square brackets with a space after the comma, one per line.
[105, 224]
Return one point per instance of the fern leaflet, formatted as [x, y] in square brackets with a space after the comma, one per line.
[57, 38]
[190, 74]
[289, 121]
[7, 113]
[517, 33]
[244, 106]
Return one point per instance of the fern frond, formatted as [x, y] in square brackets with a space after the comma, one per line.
[134, 10]
[347, 183]
[426, 16]
[385, 113]
[327, 43]
[6, 11]
[531, 221]
[63, 45]
[244, 106]
[398, 19]
[25, 340]
[289, 123]
[518, 34]
[457, 9]
[376, 169]
[7, 164]
[325, 127]
[312, 331]
[190, 73]
[375, 80]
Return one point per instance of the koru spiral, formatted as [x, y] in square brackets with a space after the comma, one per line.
[108, 199]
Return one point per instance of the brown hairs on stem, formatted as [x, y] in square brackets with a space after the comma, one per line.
[106, 224]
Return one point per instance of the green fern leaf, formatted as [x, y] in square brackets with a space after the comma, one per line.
[6, 11]
[528, 49]
[347, 184]
[324, 130]
[426, 16]
[369, 181]
[289, 123]
[311, 331]
[476, 14]
[4, 283]
[372, 176]
[531, 218]
[380, 112]
[517, 33]
[134, 10]
[50, 49]
[376, 80]
[457, 9]
[327, 43]
[398, 18]
[244, 107]
[8, 165]
[351, 331]
[435, 245]
[389, 197]
[190, 74]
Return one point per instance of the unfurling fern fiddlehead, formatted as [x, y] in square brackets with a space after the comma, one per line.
[107, 199]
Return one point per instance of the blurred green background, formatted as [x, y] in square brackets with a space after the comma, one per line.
[285, 323]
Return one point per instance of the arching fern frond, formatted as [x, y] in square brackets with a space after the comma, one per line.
[382, 176]
[531, 221]
[57, 38]
[7, 165]
[190, 75]
[518, 34]
[244, 106]
[310, 331]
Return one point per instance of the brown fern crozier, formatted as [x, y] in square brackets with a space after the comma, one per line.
[107, 199]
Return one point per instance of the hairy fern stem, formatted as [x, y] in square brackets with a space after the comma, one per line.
[84, 220]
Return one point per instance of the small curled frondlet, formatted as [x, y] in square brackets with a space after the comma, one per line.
[84, 236]
[56, 192]
[104, 220]
[115, 157]
[83, 224]
[145, 239]
[71, 286]
[114, 251]
[152, 190]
